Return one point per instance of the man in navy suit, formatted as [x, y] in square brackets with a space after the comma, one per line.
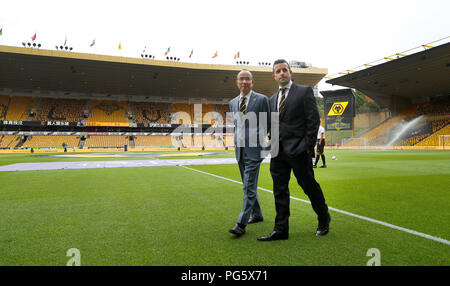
[298, 125]
[251, 113]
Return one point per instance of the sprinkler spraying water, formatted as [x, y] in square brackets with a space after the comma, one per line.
[403, 128]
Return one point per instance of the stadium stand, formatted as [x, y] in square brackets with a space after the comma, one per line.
[213, 141]
[52, 141]
[433, 139]
[153, 141]
[106, 101]
[149, 112]
[434, 118]
[108, 111]
[183, 107]
[4, 103]
[110, 141]
[223, 109]
[186, 141]
[9, 141]
[52, 109]
[208, 113]
[378, 134]
[19, 108]
[228, 141]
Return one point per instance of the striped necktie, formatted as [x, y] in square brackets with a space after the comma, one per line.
[243, 105]
[282, 100]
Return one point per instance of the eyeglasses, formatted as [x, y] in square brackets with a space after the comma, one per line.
[244, 79]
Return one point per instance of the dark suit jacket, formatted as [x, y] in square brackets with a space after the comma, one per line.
[299, 121]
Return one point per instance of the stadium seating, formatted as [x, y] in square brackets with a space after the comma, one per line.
[112, 141]
[148, 112]
[4, 103]
[55, 141]
[433, 140]
[100, 141]
[223, 109]
[9, 141]
[69, 110]
[153, 141]
[212, 141]
[435, 117]
[378, 134]
[228, 141]
[108, 111]
[186, 141]
[183, 107]
[19, 108]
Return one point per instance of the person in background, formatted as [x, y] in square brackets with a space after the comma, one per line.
[320, 147]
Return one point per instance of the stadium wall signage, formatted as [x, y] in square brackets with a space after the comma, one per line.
[103, 124]
[339, 109]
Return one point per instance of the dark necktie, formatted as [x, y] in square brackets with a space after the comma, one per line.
[243, 105]
[282, 100]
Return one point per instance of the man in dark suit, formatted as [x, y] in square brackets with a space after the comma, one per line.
[251, 120]
[298, 125]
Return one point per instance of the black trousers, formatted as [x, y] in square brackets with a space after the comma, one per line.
[320, 146]
[280, 169]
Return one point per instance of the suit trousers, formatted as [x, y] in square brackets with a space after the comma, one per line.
[249, 169]
[280, 169]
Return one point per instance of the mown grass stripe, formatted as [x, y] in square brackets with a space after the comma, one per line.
[410, 231]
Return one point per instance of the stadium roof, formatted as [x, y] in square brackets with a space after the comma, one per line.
[424, 74]
[45, 71]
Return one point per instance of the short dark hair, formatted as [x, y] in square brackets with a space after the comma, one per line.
[246, 71]
[280, 61]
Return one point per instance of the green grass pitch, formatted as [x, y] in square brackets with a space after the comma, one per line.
[175, 216]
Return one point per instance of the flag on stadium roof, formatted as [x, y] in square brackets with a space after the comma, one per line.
[65, 41]
[120, 46]
[215, 55]
[168, 50]
[1, 31]
[34, 37]
[93, 43]
[145, 47]
[190, 55]
[236, 56]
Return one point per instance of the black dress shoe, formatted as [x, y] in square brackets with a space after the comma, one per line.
[324, 226]
[274, 235]
[255, 220]
[236, 230]
[323, 166]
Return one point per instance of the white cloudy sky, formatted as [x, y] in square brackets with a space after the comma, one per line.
[337, 35]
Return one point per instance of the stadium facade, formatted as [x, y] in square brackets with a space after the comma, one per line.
[53, 98]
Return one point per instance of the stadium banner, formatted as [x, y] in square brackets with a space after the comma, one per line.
[57, 123]
[41, 123]
[339, 109]
[11, 122]
[114, 124]
[32, 123]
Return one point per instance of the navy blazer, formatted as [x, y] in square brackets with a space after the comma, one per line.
[299, 121]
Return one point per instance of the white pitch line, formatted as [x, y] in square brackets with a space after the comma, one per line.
[410, 231]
